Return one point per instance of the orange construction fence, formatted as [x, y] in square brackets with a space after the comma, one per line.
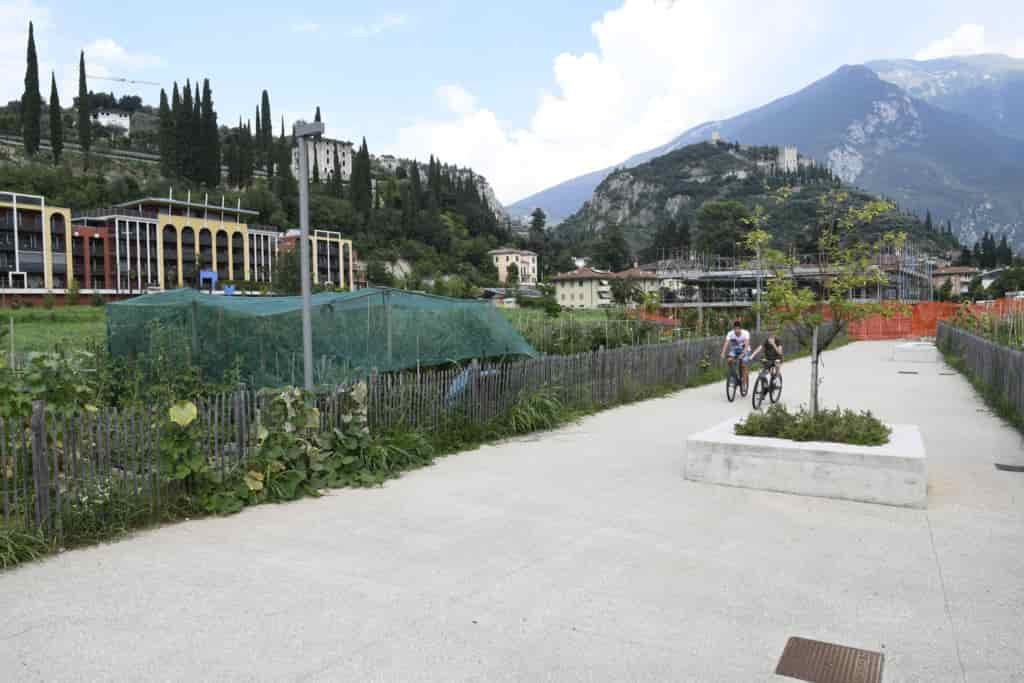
[923, 320]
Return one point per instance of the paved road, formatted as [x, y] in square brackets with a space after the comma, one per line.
[581, 555]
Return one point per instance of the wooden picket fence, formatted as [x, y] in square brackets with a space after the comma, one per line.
[58, 471]
[999, 368]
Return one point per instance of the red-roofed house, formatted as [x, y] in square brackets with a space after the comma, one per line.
[584, 288]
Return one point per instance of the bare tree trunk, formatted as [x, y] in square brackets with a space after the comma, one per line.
[814, 372]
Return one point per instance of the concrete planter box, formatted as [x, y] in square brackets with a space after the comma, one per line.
[893, 474]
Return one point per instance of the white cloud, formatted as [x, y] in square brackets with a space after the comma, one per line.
[306, 27]
[108, 53]
[385, 23]
[968, 39]
[456, 99]
[660, 66]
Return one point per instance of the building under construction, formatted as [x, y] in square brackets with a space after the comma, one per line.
[697, 280]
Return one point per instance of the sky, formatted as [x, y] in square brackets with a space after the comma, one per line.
[528, 94]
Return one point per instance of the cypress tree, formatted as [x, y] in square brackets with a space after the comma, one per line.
[261, 139]
[177, 117]
[416, 187]
[247, 156]
[183, 132]
[361, 182]
[339, 187]
[209, 138]
[195, 140]
[266, 128]
[57, 123]
[166, 139]
[84, 111]
[31, 102]
[316, 117]
[314, 160]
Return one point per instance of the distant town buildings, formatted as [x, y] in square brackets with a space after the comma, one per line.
[113, 118]
[788, 161]
[524, 260]
[584, 288]
[146, 244]
[959, 278]
[322, 153]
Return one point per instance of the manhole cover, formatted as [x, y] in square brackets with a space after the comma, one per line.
[818, 662]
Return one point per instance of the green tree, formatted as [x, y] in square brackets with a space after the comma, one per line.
[57, 122]
[166, 140]
[361, 183]
[31, 101]
[512, 276]
[722, 226]
[626, 291]
[209, 140]
[538, 220]
[612, 252]
[848, 268]
[286, 272]
[928, 225]
[266, 139]
[183, 133]
[84, 111]
[945, 292]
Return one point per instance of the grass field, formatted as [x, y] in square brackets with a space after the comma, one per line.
[37, 329]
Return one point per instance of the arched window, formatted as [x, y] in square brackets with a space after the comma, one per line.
[238, 256]
[188, 256]
[170, 257]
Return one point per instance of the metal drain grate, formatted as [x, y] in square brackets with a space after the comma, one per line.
[818, 662]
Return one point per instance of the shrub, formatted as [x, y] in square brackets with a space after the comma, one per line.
[98, 299]
[73, 293]
[837, 426]
[48, 301]
[536, 412]
[17, 546]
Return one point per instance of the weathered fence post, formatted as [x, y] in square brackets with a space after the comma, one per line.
[40, 465]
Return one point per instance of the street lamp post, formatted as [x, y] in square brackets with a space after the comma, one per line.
[301, 131]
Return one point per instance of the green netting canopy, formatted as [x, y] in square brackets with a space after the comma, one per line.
[353, 332]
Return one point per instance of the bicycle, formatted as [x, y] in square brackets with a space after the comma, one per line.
[736, 379]
[769, 383]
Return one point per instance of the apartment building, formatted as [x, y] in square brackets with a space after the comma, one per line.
[525, 261]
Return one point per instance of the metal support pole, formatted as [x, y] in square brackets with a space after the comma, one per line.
[301, 131]
[759, 288]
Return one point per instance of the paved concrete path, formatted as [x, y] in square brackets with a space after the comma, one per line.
[581, 555]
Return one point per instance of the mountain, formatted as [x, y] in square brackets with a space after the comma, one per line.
[986, 88]
[872, 133]
[670, 191]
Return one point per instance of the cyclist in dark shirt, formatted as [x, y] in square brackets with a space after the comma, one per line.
[772, 349]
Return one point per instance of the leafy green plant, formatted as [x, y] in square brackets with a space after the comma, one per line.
[534, 412]
[838, 426]
[48, 301]
[17, 546]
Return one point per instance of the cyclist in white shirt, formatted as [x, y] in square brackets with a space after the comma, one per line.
[737, 343]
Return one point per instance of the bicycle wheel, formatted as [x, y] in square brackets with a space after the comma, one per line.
[760, 389]
[745, 382]
[775, 393]
[730, 387]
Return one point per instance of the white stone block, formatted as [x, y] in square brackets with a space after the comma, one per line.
[915, 352]
[893, 474]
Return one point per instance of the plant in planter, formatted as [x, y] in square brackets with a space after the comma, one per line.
[847, 265]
